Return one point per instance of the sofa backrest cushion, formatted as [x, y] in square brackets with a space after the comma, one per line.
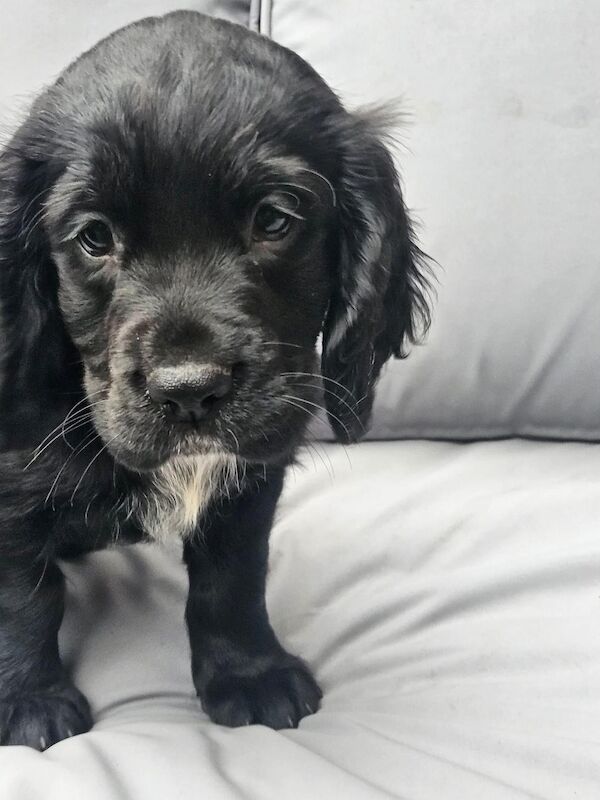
[501, 164]
[39, 39]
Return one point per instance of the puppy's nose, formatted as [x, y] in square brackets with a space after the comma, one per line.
[189, 392]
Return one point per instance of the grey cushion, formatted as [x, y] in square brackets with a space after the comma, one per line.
[501, 164]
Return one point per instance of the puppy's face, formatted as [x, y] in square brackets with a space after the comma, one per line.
[193, 243]
[194, 291]
[182, 214]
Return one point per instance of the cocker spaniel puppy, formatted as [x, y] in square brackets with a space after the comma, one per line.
[181, 215]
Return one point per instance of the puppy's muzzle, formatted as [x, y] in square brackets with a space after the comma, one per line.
[190, 392]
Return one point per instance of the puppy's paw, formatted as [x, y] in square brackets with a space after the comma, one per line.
[42, 717]
[277, 697]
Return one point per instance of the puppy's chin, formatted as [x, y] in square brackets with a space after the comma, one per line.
[151, 459]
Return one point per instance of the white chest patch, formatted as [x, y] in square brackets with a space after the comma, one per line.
[180, 491]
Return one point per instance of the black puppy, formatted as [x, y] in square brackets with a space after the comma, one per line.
[181, 215]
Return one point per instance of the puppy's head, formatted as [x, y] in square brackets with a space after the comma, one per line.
[181, 216]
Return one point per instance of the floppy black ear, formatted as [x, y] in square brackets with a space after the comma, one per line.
[380, 302]
[38, 369]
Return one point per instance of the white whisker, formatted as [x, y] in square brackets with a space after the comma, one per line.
[325, 180]
[321, 408]
[86, 443]
[75, 425]
[87, 469]
[337, 397]
[323, 378]
[286, 344]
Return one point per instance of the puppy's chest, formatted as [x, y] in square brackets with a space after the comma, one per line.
[178, 493]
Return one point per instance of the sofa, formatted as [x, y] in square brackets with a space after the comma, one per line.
[442, 578]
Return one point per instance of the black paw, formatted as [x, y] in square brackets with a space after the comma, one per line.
[42, 717]
[277, 697]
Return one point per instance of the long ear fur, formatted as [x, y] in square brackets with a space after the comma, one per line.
[380, 303]
[39, 362]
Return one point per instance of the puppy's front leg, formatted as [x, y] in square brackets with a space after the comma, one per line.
[241, 672]
[38, 704]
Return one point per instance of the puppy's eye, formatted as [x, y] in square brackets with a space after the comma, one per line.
[270, 223]
[96, 239]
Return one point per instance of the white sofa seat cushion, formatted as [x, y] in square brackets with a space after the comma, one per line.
[452, 621]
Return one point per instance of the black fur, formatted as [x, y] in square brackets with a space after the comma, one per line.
[173, 131]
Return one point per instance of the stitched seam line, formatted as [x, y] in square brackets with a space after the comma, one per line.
[254, 16]
[261, 12]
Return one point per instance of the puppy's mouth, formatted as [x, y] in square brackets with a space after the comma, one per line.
[254, 426]
[143, 441]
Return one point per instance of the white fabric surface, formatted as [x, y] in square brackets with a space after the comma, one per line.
[452, 620]
[501, 160]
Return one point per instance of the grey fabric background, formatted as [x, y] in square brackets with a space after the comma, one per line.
[500, 156]
[40, 39]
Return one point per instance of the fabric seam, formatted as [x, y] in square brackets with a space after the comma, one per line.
[261, 12]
